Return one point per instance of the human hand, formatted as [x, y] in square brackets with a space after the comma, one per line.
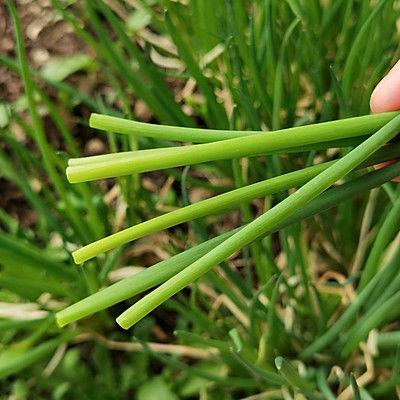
[386, 97]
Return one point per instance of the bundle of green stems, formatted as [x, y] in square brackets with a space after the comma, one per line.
[367, 135]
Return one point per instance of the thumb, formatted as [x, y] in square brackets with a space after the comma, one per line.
[386, 96]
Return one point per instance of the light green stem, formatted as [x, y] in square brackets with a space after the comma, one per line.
[199, 135]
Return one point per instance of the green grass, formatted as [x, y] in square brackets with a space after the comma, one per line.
[283, 284]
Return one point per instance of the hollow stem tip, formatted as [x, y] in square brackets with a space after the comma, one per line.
[124, 322]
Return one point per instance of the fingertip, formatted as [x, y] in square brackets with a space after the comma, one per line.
[386, 96]
[375, 103]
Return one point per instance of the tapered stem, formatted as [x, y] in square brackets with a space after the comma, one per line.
[176, 133]
[195, 135]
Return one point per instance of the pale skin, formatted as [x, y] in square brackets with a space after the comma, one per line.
[386, 96]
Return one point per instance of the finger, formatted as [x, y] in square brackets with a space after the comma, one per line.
[386, 96]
